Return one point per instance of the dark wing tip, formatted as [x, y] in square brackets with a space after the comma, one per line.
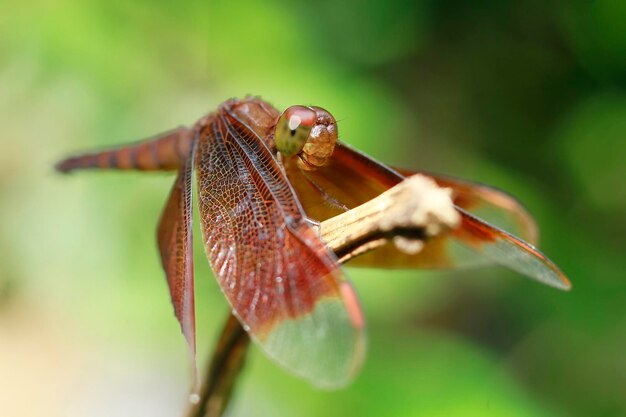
[64, 166]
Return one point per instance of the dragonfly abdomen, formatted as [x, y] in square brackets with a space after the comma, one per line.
[163, 152]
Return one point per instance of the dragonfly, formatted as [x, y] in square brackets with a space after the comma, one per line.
[264, 180]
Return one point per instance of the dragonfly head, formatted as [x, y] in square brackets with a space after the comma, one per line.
[307, 132]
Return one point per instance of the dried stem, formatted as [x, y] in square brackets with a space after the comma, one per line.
[408, 214]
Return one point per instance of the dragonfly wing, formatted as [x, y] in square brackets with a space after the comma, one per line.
[351, 178]
[282, 282]
[174, 237]
[507, 250]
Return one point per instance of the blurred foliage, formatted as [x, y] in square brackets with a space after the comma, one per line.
[528, 96]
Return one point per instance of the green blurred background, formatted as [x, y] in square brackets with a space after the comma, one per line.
[528, 96]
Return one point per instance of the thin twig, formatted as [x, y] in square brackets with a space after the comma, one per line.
[411, 212]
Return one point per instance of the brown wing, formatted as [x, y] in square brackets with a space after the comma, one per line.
[280, 279]
[175, 240]
[352, 178]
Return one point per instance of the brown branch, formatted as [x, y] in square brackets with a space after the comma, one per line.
[408, 214]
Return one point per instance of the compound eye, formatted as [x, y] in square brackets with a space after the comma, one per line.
[293, 128]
